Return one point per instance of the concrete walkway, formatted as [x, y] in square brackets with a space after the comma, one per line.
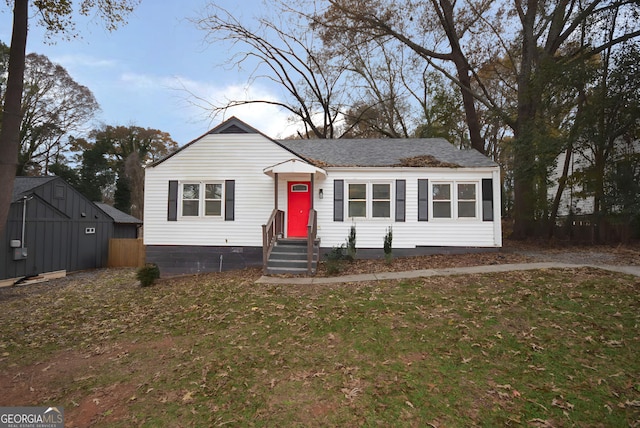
[630, 270]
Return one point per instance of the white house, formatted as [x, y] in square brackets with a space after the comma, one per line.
[235, 197]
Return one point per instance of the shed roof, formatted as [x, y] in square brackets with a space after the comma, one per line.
[24, 185]
[117, 215]
[379, 152]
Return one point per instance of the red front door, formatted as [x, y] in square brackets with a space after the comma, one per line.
[299, 204]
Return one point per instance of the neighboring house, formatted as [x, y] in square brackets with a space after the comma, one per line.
[53, 227]
[574, 200]
[206, 203]
[125, 226]
[570, 201]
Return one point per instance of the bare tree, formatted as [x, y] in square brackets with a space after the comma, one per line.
[457, 38]
[380, 99]
[313, 84]
[54, 106]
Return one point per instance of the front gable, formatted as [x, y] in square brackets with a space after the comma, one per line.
[232, 137]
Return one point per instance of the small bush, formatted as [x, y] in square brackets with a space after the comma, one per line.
[388, 249]
[335, 259]
[351, 244]
[148, 274]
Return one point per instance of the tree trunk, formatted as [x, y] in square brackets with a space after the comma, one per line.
[468, 101]
[11, 112]
[523, 157]
[523, 189]
[562, 182]
[598, 194]
[463, 70]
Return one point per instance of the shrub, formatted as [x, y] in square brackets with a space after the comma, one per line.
[148, 274]
[351, 244]
[388, 249]
[335, 259]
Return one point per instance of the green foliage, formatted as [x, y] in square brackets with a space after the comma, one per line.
[122, 195]
[335, 260]
[67, 173]
[148, 274]
[58, 17]
[351, 243]
[112, 157]
[388, 249]
[95, 172]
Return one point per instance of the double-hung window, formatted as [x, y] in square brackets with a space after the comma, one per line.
[201, 199]
[454, 199]
[357, 200]
[369, 200]
[467, 198]
[381, 200]
[442, 200]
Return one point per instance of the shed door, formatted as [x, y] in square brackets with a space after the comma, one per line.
[299, 204]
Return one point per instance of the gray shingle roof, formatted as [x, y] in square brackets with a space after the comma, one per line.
[117, 215]
[24, 185]
[385, 152]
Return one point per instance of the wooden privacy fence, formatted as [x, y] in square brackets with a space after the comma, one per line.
[126, 253]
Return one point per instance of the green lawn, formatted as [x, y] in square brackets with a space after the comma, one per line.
[538, 348]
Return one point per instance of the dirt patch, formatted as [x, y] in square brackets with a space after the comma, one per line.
[74, 375]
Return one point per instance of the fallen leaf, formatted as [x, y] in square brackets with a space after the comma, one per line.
[562, 404]
[188, 397]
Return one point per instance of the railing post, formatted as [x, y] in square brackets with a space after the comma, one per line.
[270, 232]
[265, 248]
[311, 237]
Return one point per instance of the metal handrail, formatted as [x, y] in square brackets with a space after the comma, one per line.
[270, 233]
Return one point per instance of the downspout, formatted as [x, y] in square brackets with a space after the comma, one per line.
[24, 219]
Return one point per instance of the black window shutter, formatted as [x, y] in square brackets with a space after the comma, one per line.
[172, 208]
[338, 200]
[401, 186]
[487, 199]
[229, 200]
[423, 200]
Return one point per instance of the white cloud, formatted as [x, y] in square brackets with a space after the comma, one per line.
[81, 60]
[200, 97]
[140, 81]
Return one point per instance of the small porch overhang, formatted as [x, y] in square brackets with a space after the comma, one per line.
[293, 166]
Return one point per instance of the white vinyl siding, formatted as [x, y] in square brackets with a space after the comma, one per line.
[243, 158]
[213, 159]
[411, 233]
